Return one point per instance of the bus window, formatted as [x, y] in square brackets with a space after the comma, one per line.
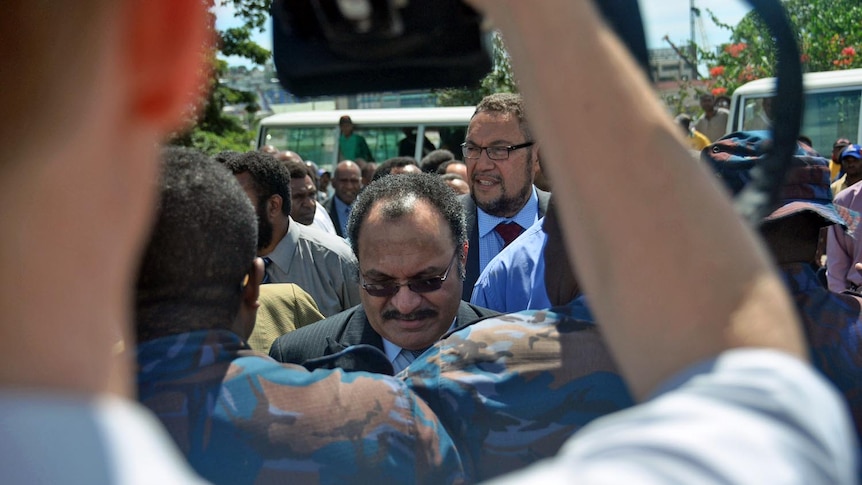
[831, 115]
[451, 138]
[312, 144]
[758, 114]
[407, 144]
[382, 141]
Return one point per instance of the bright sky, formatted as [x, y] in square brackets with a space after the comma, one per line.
[671, 18]
[661, 17]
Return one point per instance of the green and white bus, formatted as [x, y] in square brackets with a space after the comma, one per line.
[314, 134]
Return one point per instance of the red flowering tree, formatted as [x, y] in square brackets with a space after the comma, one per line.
[829, 35]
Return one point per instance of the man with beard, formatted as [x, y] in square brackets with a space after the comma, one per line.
[502, 160]
[409, 237]
[320, 263]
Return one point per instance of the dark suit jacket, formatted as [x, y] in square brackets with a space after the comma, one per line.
[473, 238]
[329, 205]
[350, 327]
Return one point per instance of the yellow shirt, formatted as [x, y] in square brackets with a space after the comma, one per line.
[697, 140]
[834, 169]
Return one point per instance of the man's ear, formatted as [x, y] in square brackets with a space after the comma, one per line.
[251, 290]
[168, 50]
[273, 206]
[462, 261]
[245, 319]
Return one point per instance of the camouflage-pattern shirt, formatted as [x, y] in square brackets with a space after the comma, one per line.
[834, 330]
[511, 389]
[241, 417]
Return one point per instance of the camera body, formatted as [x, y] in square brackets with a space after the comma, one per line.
[324, 47]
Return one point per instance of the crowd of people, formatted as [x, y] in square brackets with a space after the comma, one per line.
[644, 335]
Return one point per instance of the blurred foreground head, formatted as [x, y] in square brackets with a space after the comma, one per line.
[104, 81]
[196, 265]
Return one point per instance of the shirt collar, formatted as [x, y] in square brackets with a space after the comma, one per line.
[391, 350]
[282, 255]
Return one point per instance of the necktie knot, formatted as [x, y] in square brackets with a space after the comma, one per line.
[266, 263]
[405, 357]
[509, 231]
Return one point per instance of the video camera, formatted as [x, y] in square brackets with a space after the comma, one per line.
[326, 47]
[349, 46]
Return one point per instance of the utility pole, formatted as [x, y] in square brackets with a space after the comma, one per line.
[693, 12]
[691, 62]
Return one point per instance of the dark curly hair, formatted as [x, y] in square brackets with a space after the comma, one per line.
[269, 175]
[508, 103]
[398, 196]
[431, 162]
[386, 167]
[201, 248]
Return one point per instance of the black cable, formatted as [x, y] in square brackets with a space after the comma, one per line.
[760, 196]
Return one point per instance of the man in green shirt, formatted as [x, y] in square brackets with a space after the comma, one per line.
[352, 146]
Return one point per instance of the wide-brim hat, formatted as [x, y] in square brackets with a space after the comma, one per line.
[806, 187]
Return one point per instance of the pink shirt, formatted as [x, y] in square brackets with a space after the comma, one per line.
[842, 250]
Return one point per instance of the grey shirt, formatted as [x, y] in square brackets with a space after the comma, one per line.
[321, 264]
[716, 127]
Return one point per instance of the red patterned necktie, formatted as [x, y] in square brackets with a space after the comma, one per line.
[508, 231]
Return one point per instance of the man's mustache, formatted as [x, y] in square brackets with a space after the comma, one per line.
[417, 315]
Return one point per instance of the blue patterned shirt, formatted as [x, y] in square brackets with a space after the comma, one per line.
[511, 389]
[241, 417]
[834, 330]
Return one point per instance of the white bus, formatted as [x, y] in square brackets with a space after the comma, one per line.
[833, 107]
[314, 134]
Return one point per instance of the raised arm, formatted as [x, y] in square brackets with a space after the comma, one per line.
[673, 274]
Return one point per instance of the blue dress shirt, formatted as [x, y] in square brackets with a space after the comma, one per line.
[490, 243]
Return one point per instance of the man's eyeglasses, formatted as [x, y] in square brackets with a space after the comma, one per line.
[494, 153]
[421, 285]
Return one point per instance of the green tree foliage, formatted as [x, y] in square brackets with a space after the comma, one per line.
[215, 131]
[829, 34]
[499, 80]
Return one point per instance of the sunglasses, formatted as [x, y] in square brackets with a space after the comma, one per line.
[421, 285]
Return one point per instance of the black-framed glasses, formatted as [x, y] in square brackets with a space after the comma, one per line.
[420, 285]
[494, 153]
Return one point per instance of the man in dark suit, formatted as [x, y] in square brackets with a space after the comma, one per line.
[347, 183]
[502, 161]
[408, 234]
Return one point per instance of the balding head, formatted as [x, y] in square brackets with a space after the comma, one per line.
[347, 181]
[289, 156]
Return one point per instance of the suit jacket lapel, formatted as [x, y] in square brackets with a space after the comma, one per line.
[544, 199]
[329, 205]
[472, 268]
[466, 315]
[357, 330]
